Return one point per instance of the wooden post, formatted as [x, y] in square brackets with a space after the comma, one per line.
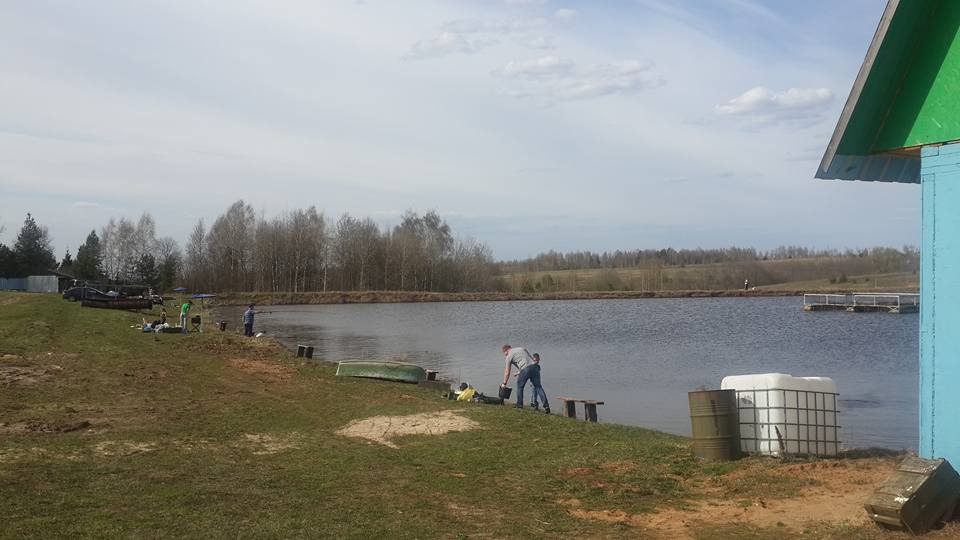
[590, 411]
[569, 407]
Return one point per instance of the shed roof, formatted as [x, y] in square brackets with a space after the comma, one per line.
[904, 97]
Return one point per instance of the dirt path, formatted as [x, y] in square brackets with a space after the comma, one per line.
[835, 494]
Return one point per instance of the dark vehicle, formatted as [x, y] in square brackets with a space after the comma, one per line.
[75, 294]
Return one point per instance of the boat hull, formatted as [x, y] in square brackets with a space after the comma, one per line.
[387, 371]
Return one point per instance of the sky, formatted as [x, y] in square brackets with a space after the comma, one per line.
[529, 125]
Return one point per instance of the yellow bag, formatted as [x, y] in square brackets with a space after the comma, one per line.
[467, 394]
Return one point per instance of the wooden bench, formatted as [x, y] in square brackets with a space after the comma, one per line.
[569, 408]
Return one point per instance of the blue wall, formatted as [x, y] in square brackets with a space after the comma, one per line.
[940, 304]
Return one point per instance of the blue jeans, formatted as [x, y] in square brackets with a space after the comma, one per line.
[530, 373]
[538, 392]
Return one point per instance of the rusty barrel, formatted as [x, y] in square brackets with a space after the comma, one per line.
[716, 424]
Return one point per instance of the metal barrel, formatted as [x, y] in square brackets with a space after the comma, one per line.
[716, 424]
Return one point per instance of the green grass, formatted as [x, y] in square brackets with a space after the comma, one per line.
[168, 452]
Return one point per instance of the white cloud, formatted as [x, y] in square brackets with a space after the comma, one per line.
[466, 36]
[541, 42]
[565, 14]
[510, 25]
[447, 42]
[764, 105]
[538, 67]
[551, 78]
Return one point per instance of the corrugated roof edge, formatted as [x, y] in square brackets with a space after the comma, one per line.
[828, 165]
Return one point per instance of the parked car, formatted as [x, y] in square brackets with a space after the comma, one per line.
[74, 294]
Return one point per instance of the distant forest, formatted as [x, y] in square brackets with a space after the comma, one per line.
[700, 269]
[303, 250]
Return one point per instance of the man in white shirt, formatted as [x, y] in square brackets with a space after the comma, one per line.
[529, 371]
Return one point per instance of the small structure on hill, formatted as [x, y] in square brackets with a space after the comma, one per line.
[901, 123]
[49, 282]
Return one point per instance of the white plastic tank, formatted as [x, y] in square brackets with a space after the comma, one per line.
[781, 414]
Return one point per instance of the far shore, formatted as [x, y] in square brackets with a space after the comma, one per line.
[396, 297]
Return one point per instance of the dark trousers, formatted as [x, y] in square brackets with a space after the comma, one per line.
[530, 373]
[248, 329]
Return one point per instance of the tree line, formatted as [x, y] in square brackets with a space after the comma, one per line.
[31, 254]
[301, 250]
[551, 261]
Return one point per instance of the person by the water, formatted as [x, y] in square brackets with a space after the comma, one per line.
[520, 357]
[248, 321]
[538, 390]
[184, 312]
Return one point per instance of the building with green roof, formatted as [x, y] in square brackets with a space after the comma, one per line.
[901, 123]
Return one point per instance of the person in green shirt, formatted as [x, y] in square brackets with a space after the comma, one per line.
[184, 311]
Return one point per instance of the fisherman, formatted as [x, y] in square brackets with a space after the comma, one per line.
[184, 312]
[746, 284]
[538, 390]
[520, 357]
[248, 321]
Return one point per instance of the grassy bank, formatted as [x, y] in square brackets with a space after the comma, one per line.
[108, 432]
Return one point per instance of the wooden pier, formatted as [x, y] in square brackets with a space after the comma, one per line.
[861, 302]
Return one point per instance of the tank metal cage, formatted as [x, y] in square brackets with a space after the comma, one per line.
[777, 421]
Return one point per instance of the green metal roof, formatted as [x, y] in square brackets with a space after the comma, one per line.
[906, 95]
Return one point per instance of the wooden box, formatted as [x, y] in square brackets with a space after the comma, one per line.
[916, 496]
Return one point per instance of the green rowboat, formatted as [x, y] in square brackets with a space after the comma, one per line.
[388, 371]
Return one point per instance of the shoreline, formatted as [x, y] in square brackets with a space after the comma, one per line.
[402, 297]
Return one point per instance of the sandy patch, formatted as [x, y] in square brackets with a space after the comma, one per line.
[262, 444]
[123, 448]
[44, 427]
[381, 429]
[838, 498]
[264, 370]
[25, 375]
[11, 455]
[190, 445]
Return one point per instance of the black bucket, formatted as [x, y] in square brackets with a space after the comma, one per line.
[222, 325]
[505, 392]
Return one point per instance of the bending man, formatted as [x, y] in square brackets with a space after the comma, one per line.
[520, 357]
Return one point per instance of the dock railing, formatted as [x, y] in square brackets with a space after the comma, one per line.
[890, 302]
[897, 300]
[817, 299]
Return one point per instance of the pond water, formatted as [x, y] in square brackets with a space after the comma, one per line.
[639, 356]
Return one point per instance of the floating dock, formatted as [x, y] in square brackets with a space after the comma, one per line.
[860, 302]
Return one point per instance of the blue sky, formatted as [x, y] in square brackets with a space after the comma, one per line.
[528, 124]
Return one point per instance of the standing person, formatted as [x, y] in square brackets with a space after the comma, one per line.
[520, 357]
[248, 321]
[184, 312]
[538, 389]
[163, 315]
